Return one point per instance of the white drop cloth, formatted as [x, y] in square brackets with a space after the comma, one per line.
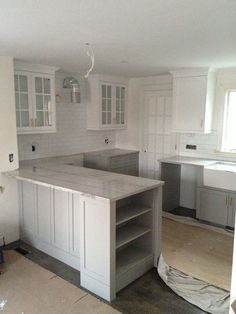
[206, 296]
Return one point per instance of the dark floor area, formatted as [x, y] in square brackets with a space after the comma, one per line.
[183, 211]
[147, 295]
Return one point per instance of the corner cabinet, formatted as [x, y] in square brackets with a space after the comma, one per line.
[193, 100]
[35, 98]
[107, 101]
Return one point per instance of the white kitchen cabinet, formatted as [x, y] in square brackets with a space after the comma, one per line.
[231, 210]
[112, 241]
[216, 206]
[60, 219]
[35, 98]
[193, 100]
[27, 209]
[49, 220]
[107, 102]
[43, 213]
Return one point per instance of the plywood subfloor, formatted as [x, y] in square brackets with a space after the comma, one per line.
[201, 253]
[31, 289]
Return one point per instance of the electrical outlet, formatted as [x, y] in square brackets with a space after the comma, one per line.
[193, 147]
[106, 140]
[11, 157]
[33, 148]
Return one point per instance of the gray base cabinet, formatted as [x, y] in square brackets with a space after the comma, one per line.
[114, 160]
[216, 206]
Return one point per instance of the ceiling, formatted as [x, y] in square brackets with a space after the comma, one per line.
[150, 36]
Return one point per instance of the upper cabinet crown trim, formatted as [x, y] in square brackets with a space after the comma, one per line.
[38, 68]
[108, 78]
[192, 72]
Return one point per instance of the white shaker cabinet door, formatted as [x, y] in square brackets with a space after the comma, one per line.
[75, 226]
[43, 213]
[231, 210]
[189, 104]
[97, 246]
[60, 219]
[212, 206]
[27, 196]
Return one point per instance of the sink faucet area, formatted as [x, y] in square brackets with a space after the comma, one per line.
[220, 175]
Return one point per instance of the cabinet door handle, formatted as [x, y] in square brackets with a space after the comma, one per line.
[226, 200]
[231, 201]
[202, 123]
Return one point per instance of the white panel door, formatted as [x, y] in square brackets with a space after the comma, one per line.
[43, 213]
[157, 139]
[28, 209]
[60, 219]
[212, 206]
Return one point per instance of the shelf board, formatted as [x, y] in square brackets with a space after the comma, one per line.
[128, 212]
[129, 258]
[128, 233]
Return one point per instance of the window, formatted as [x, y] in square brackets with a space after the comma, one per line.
[229, 123]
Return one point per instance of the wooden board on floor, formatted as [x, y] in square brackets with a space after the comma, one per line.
[29, 288]
[201, 253]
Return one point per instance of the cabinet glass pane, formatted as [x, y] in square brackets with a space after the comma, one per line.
[24, 118]
[109, 118]
[104, 105]
[46, 84]
[23, 83]
[16, 82]
[104, 91]
[39, 102]
[17, 100]
[39, 120]
[123, 92]
[103, 117]
[47, 118]
[118, 118]
[38, 85]
[17, 118]
[122, 118]
[24, 103]
[47, 103]
[109, 91]
[118, 92]
[109, 105]
[117, 105]
[122, 105]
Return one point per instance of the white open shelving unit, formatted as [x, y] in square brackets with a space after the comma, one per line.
[134, 237]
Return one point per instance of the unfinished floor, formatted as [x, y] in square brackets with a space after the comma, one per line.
[147, 295]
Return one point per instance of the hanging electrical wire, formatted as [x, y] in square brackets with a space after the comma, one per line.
[90, 54]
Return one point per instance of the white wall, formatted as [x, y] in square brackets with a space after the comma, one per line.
[71, 136]
[9, 217]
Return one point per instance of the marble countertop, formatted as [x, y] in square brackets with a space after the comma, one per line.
[184, 160]
[96, 183]
[111, 152]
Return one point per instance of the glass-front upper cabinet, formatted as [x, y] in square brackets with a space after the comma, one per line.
[35, 101]
[120, 105]
[106, 102]
[22, 100]
[43, 101]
